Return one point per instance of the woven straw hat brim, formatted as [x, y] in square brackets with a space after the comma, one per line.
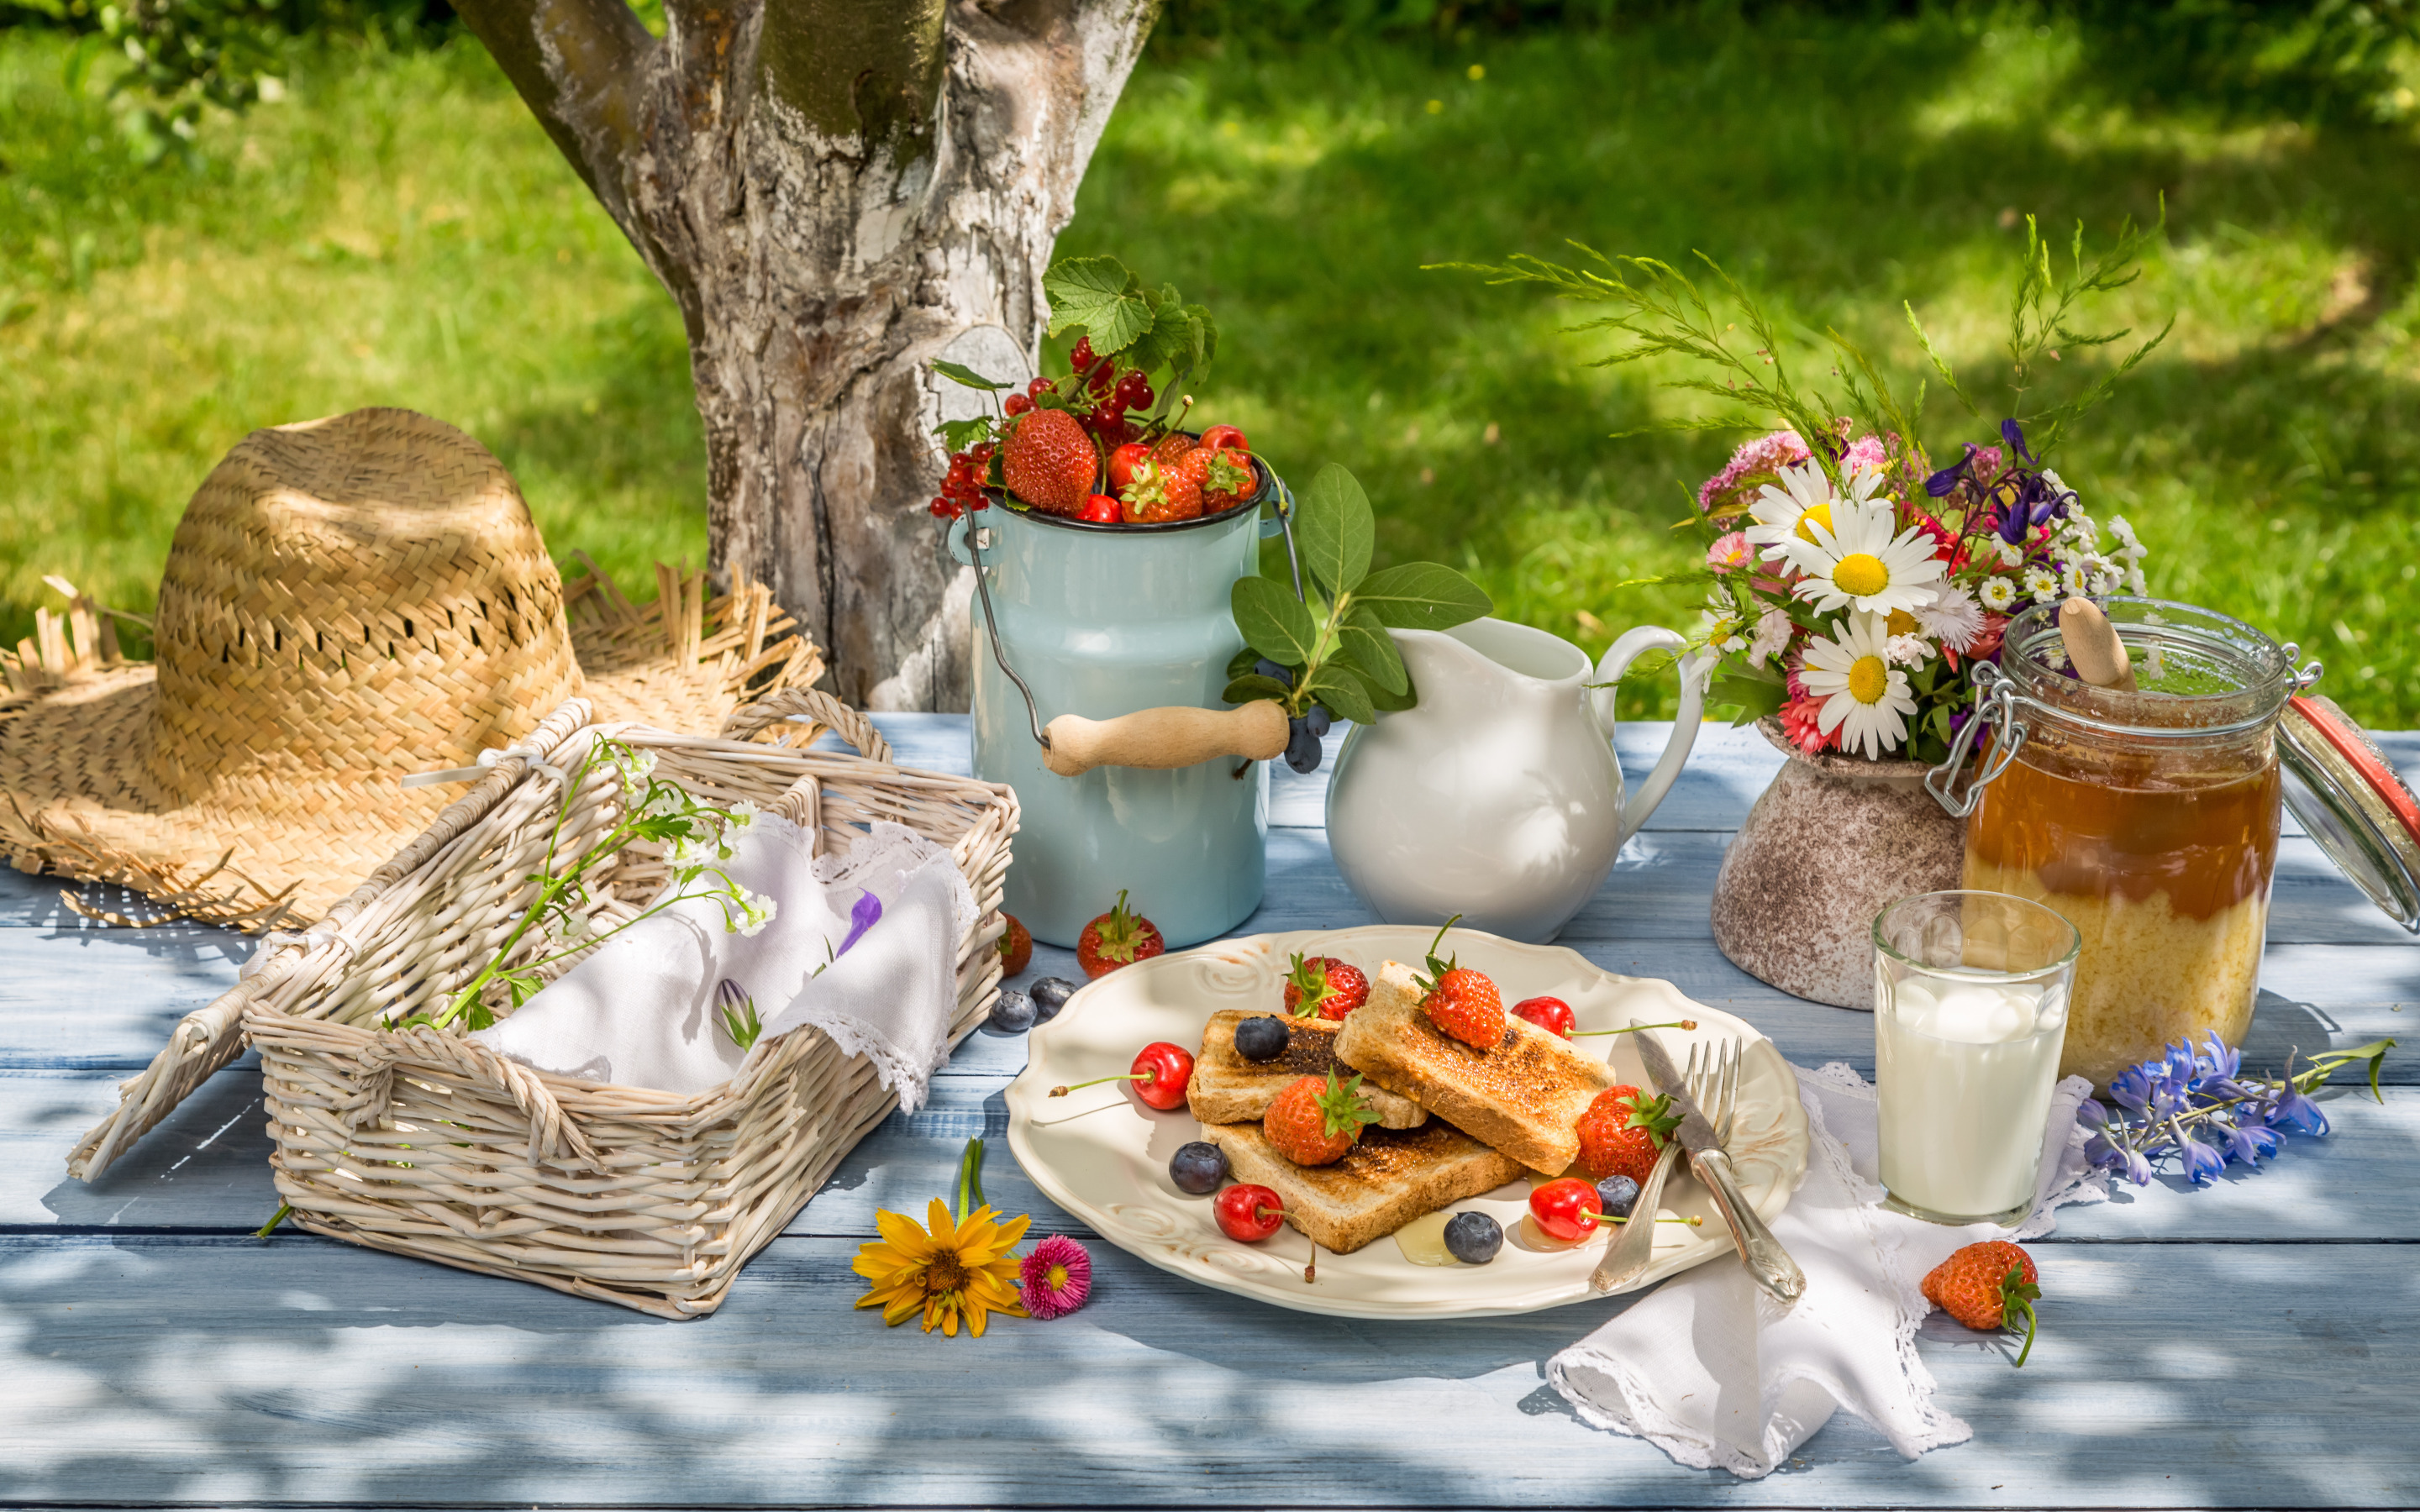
[347, 602]
[276, 852]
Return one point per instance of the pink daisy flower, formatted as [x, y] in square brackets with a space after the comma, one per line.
[1731, 552]
[1058, 1277]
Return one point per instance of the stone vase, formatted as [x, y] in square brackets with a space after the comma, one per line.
[1833, 840]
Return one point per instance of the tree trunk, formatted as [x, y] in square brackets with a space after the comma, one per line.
[833, 190]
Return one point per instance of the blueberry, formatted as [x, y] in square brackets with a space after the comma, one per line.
[1317, 719]
[1302, 752]
[1262, 1039]
[1617, 1194]
[1269, 669]
[1198, 1167]
[1473, 1238]
[1013, 1014]
[1050, 994]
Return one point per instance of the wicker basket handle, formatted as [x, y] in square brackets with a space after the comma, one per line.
[817, 711]
[551, 1131]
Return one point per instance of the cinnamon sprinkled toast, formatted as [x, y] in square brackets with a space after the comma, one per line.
[1387, 1178]
[1228, 1088]
[1522, 1096]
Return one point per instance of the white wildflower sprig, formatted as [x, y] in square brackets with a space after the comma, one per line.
[697, 840]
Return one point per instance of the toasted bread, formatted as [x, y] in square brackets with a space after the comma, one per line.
[1387, 1178]
[1522, 1096]
[1228, 1088]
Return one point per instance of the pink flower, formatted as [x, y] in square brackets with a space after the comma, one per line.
[1058, 1277]
[1757, 462]
[1865, 451]
[1730, 552]
[1802, 722]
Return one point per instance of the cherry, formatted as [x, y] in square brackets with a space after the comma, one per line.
[1550, 1013]
[1219, 436]
[1249, 1213]
[1124, 461]
[1159, 1074]
[1015, 403]
[1567, 1208]
[1101, 510]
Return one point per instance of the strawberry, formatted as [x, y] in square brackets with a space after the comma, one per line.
[1314, 1125]
[1160, 492]
[1228, 480]
[1323, 985]
[1049, 462]
[1624, 1132]
[1172, 446]
[1118, 938]
[1015, 947]
[1460, 1001]
[1987, 1286]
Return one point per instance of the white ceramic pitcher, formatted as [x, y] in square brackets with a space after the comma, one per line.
[1497, 797]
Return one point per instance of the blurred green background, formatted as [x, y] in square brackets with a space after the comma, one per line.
[393, 228]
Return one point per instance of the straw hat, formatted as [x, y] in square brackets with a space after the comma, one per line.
[347, 602]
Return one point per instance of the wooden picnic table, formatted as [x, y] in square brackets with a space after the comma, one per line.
[2255, 1343]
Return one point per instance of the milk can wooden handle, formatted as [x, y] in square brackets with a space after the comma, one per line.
[1167, 737]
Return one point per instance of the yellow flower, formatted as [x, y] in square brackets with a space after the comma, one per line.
[956, 1268]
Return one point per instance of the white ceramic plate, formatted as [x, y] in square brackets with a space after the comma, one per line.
[1102, 1155]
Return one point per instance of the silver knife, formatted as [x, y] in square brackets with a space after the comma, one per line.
[1768, 1264]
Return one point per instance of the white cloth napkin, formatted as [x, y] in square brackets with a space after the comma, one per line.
[641, 1010]
[1716, 1374]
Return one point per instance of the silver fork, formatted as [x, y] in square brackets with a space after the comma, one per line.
[1626, 1258]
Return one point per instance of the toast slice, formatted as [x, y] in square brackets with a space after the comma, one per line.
[1387, 1178]
[1228, 1088]
[1524, 1096]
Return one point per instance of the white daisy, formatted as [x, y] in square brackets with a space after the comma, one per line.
[1772, 633]
[2010, 556]
[2134, 583]
[2040, 584]
[1721, 625]
[1952, 619]
[1859, 687]
[1862, 566]
[2073, 581]
[1785, 517]
[1997, 595]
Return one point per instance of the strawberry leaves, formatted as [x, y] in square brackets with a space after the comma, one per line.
[1342, 1108]
[1333, 642]
[2018, 1295]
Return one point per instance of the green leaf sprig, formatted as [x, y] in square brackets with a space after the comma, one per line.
[1334, 640]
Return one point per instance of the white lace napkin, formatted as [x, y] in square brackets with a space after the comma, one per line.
[641, 1011]
[1715, 1373]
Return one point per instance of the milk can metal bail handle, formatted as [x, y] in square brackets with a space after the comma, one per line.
[1996, 705]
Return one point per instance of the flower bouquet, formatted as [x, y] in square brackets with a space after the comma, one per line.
[1853, 583]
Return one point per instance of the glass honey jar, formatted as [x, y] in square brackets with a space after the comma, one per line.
[2148, 819]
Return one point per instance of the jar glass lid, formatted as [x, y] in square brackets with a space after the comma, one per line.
[2346, 793]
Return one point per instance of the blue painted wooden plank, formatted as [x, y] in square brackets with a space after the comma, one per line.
[157, 1370]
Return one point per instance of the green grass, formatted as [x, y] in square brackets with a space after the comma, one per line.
[400, 232]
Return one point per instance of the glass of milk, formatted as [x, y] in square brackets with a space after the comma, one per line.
[1970, 1012]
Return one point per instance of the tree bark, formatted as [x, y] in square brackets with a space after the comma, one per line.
[832, 191]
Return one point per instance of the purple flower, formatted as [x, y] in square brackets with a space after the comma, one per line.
[1944, 482]
[2014, 435]
[2218, 1059]
[2202, 1162]
[2250, 1143]
[1057, 1277]
[2299, 1113]
[2132, 1087]
[2091, 1114]
[863, 917]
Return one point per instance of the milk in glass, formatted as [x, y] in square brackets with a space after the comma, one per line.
[1963, 1072]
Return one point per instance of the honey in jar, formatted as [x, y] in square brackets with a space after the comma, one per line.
[2147, 819]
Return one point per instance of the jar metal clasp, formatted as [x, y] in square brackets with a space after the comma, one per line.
[1996, 705]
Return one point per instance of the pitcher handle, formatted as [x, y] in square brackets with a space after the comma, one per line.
[1693, 667]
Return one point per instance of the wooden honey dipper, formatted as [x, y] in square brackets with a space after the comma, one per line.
[2093, 648]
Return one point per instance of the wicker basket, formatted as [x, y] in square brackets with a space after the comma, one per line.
[426, 1144]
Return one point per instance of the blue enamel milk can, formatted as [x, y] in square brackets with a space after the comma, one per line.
[1101, 653]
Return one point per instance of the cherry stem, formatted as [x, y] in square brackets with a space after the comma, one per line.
[1311, 1271]
[1633, 1028]
[1130, 1076]
[1694, 1222]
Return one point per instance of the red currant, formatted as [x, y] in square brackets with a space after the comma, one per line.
[1249, 1213]
[1566, 1209]
[1082, 356]
[1039, 387]
[1550, 1013]
[983, 453]
[1015, 403]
